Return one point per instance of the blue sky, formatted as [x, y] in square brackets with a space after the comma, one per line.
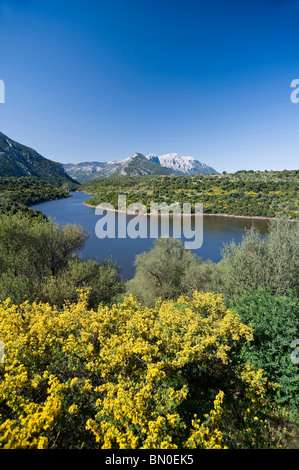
[100, 80]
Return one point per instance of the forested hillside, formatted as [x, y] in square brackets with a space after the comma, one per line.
[16, 194]
[244, 193]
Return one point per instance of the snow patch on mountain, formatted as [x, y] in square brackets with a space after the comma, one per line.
[181, 164]
[170, 163]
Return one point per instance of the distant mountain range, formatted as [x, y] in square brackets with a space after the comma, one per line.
[138, 164]
[18, 160]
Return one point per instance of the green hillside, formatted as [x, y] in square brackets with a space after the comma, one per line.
[244, 193]
[16, 194]
[18, 160]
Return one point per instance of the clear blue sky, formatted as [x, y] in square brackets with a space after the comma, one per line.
[100, 80]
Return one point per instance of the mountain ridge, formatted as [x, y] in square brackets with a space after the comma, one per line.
[138, 164]
[19, 160]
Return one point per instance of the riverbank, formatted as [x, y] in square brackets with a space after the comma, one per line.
[243, 195]
[250, 217]
[217, 232]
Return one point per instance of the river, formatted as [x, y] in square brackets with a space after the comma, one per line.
[217, 231]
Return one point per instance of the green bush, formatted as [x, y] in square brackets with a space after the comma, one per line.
[103, 281]
[275, 321]
[167, 271]
[271, 262]
[38, 262]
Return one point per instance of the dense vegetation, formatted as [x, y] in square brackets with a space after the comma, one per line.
[270, 263]
[186, 354]
[131, 377]
[244, 193]
[258, 279]
[38, 263]
[16, 194]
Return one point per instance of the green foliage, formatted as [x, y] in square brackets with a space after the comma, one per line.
[275, 323]
[259, 280]
[245, 193]
[271, 262]
[18, 193]
[167, 271]
[129, 377]
[103, 281]
[38, 262]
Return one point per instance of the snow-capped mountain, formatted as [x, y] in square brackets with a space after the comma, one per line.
[186, 165]
[87, 171]
[138, 164]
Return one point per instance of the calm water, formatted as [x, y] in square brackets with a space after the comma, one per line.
[217, 231]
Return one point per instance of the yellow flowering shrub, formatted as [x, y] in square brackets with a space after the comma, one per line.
[125, 376]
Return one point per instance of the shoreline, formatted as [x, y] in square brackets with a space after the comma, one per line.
[250, 217]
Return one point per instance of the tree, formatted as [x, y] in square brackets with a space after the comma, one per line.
[167, 271]
[38, 261]
[102, 280]
[271, 261]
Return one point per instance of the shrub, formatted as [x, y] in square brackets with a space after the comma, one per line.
[127, 376]
[271, 262]
[167, 271]
[275, 323]
[103, 280]
[38, 262]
